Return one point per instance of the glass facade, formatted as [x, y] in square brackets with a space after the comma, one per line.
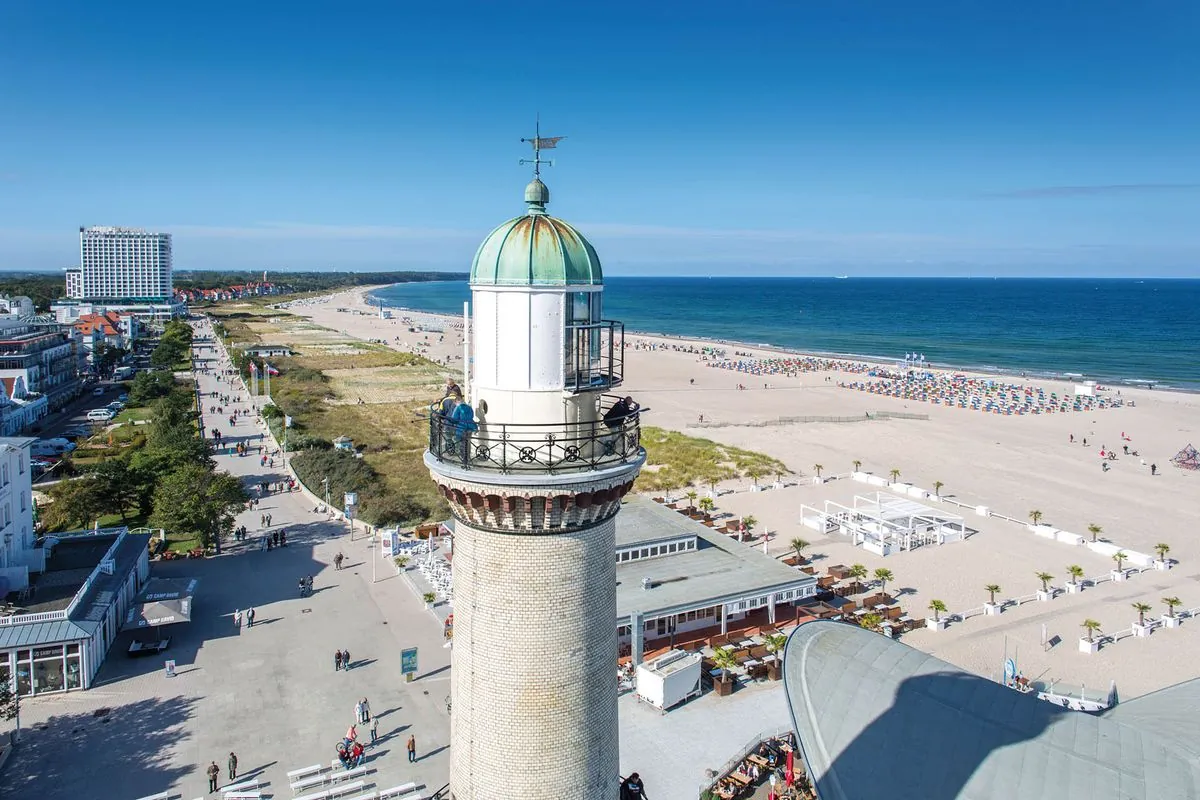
[39, 670]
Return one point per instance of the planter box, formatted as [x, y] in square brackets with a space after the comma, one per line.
[774, 671]
[937, 624]
[1142, 630]
[1074, 588]
[777, 485]
[1045, 597]
[1162, 565]
[1170, 622]
[817, 481]
[723, 688]
[991, 609]
[1118, 575]
[755, 488]
[1088, 647]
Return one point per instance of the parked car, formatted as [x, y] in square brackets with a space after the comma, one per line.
[51, 447]
[116, 405]
[98, 391]
[100, 414]
[124, 398]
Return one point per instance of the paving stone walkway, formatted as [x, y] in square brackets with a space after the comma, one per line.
[269, 693]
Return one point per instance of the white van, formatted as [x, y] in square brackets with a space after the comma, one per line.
[51, 447]
[100, 415]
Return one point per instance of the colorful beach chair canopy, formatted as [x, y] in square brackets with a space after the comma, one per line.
[877, 719]
[536, 250]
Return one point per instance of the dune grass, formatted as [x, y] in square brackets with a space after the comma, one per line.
[675, 460]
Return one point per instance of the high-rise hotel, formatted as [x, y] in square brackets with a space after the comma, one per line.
[120, 269]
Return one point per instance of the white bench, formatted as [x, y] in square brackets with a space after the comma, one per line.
[309, 782]
[304, 772]
[398, 791]
[256, 795]
[159, 796]
[246, 785]
[347, 788]
[367, 796]
[349, 775]
[321, 795]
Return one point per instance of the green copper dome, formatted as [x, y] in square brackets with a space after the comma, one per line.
[536, 250]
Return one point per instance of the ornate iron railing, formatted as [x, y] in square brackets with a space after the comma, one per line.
[552, 448]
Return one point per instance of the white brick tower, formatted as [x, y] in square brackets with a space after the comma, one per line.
[535, 480]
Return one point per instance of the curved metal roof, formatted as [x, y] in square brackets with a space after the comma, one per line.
[536, 250]
[876, 718]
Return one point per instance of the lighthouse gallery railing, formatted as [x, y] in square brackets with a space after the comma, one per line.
[555, 447]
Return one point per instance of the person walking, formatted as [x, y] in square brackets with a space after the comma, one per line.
[358, 712]
[250, 618]
[366, 711]
[268, 520]
[232, 766]
[337, 660]
[411, 746]
[346, 659]
[214, 772]
[374, 729]
[237, 618]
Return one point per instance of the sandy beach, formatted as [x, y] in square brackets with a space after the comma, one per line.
[1011, 464]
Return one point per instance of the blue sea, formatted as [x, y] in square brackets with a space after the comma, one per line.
[1113, 331]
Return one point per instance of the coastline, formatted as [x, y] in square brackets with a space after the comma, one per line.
[366, 298]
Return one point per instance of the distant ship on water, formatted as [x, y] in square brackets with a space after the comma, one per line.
[841, 277]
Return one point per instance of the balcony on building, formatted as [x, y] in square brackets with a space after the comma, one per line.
[609, 440]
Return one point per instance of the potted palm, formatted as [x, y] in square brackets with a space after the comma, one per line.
[430, 598]
[857, 465]
[779, 479]
[1140, 628]
[798, 546]
[691, 496]
[1045, 594]
[1118, 574]
[817, 469]
[775, 642]
[1075, 585]
[991, 608]
[884, 576]
[706, 505]
[1088, 643]
[857, 572]
[895, 473]
[1095, 530]
[725, 661]
[754, 473]
[748, 523]
[401, 563]
[937, 489]
[1035, 517]
[1169, 619]
[937, 623]
[870, 621]
[1162, 550]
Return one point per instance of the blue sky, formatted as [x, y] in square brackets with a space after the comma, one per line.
[964, 137]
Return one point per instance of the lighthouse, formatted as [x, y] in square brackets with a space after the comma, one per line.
[534, 468]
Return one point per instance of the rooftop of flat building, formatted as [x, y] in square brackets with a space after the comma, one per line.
[75, 556]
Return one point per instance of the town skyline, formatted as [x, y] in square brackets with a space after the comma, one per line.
[796, 141]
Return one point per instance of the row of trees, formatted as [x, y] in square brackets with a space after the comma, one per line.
[174, 345]
[170, 481]
[305, 281]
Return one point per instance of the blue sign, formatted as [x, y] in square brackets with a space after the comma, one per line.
[408, 661]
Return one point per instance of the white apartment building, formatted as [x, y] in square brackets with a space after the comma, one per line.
[128, 265]
[18, 556]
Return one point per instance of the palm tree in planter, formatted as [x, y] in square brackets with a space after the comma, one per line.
[991, 589]
[938, 608]
[1076, 573]
[712, 479]
[754, 473]
[775, 642]
[1090, 626]
[857, 572]
[1120, 557]
[1162, 550]
[817, 469]
[1141, 608]
[400, 561]
[870, 621]
[430, 598]
[1095, 530]
[706, 504]
[748, 523]
[724, 660]
[884, 575]
[937, 488]
[1045, 578]
[691, 496]
[798, 546]
[857, 465]
[895, 473]
[1170, 603]
[1035, 516]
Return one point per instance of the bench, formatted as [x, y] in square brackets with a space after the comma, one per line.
[397, 791]
[159, 796]
[349, 775]
[347, 788]
[321, 795]
[304, 772]
[243, 785]
[367, 796]
[309, 782]
[243, 795]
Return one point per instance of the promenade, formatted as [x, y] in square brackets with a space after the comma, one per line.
[269, 693]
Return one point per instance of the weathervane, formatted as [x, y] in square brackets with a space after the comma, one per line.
[540, 143]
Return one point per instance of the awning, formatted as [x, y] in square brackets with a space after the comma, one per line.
[164, 601]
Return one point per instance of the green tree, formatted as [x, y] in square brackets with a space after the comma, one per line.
[798, 546]
[1095, 530]
[754, 473]
[775, 642]
[870, 621]
[1045, 578]
[1141, 608]
[194, 500]
[724, 659]
[1035, 516]
[1090, 626]
[937, 607]
[1120, 557]
[857, 572]
[150, 385]
[895, 473]
[884, 576]
[857, 464]
[10, 705]
[77, 504]
[817, 469]
[1076, 573]
[1170, 603]
[937, 488]
[991, 589]
[1162, 550]
[691, 496]
[118, 485]
[748, 522]
[706, 504]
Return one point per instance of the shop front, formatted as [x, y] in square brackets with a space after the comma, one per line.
[39, 670]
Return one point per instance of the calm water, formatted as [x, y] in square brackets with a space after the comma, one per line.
[1125, 331]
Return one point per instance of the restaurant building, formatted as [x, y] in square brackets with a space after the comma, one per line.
[55, 634]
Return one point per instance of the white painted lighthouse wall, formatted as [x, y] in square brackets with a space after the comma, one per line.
[533, 660]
